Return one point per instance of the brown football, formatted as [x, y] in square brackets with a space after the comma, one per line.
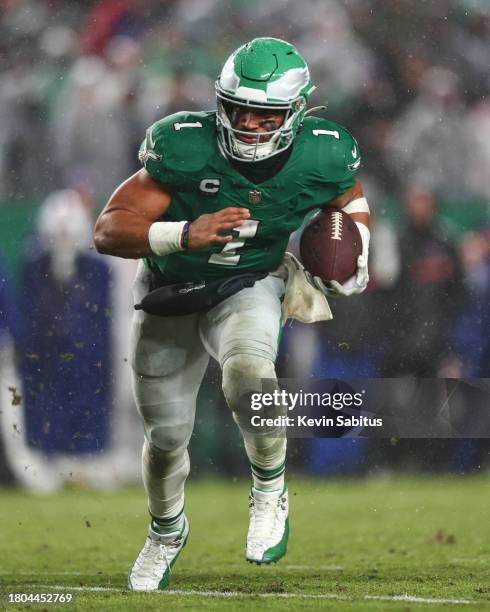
[330, 245]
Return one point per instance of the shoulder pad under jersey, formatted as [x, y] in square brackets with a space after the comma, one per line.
[178, 145]
[333, 150]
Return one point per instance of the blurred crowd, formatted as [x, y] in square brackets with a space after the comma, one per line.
[81, 81]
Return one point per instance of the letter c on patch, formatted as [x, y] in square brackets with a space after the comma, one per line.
[209, 185]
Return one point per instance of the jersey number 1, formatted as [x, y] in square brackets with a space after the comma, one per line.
[228, 255]
[333, 133]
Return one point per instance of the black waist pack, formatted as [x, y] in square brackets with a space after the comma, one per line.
[187, 298]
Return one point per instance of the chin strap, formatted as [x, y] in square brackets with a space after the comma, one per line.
[315, 108]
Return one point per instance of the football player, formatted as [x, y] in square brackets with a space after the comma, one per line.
[213, 206]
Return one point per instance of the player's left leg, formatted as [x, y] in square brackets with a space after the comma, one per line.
[268, 531]
[242, 333]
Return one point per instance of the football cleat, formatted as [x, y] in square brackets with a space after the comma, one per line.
[268, 531]
[151, 570]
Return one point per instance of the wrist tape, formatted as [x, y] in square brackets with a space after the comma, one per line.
[359, 205]
[165, 237]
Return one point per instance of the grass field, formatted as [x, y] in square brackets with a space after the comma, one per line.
[392, 544]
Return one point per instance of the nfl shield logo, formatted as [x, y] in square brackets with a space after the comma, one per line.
[254, 196]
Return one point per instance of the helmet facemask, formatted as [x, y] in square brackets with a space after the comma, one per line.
[267, 143]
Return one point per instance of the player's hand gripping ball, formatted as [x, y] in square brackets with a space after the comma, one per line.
[330, 248]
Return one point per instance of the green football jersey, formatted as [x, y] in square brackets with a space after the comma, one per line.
[181, 151]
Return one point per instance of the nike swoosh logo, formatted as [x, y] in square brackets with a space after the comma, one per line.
[355, 165]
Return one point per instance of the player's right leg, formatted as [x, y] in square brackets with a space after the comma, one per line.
[168, 362]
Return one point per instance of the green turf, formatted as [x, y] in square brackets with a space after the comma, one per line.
[350, 540]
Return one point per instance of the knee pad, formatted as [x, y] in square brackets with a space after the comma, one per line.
[169, 438]
[244, 374]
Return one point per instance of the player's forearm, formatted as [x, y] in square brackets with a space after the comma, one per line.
[358, 209]
[360, 217]
[123, 234]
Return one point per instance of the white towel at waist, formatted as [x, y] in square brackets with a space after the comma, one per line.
[301, 300]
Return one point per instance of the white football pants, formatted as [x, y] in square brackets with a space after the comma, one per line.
[169, 356]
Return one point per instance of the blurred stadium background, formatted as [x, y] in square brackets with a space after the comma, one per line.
[80, 82]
